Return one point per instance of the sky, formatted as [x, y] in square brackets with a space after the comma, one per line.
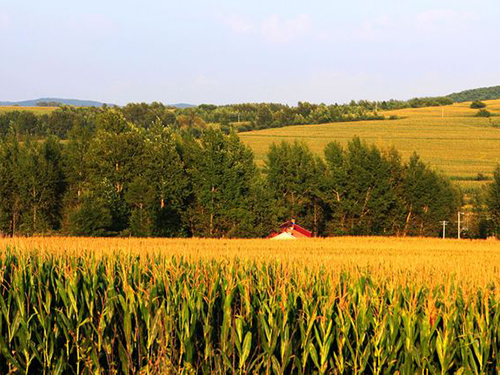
[234, 51]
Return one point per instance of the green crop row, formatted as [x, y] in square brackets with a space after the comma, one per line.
[127, 314]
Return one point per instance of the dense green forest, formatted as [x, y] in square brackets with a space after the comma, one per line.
[112, 177]
[484, 93]
[147, 170]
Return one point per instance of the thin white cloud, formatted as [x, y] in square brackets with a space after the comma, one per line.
[443, 20]
[5, 21]
[96, 22]
[379, 27]
[239, 24]
[274, 29]
[204, 80]
[283, 31]
[371, 30]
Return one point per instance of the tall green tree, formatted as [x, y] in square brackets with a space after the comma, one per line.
[296, 177]
[397, 180]
[114, 156]
[10, 201]
[140, 195]
[40, 181]
[429, 198]
[167, 180]
[362, 199]
[76, 161]
[221, 170]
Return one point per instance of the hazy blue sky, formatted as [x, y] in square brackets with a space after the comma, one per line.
[222, 51]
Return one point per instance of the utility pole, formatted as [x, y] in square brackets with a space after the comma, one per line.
[459, 228]
[444, 227]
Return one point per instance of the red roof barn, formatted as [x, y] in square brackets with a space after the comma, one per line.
[293, 229]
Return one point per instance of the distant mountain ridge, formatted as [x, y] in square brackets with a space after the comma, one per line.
[483, 93]
[75, 102]
[182, 105]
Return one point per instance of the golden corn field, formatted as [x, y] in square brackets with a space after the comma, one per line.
[342, 305]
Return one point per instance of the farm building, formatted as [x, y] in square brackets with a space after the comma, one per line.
[290, 231]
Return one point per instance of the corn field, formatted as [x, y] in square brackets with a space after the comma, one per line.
[248, 306]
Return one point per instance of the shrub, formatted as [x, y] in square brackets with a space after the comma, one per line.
[482, 177]
[483, 113]
[476, 104]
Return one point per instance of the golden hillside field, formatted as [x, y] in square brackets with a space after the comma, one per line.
[430, 261]
[450, 138]
[35, 110]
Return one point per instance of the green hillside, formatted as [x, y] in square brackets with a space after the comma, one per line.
[450, 138]
[484, 93]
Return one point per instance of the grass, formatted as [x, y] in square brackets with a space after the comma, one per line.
[450, 138]
[35, 110]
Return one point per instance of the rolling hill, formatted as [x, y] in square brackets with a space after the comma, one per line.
[182, 105]
[450, 138]
[75, 102]
[484, 93]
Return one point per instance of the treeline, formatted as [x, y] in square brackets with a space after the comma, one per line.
[121, 179]
[359, 190]
[253, 116]
[238, 117]
[413, 103]
[483, 93]
[59, 122]
[245, 117]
